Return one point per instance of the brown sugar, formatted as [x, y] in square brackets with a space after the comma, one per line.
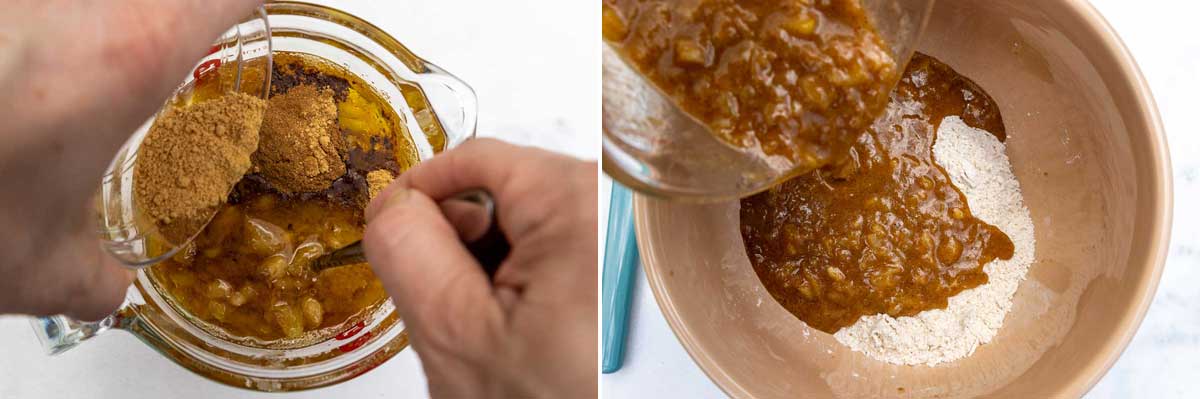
[302, 149]
[377, 180]
[190, 160]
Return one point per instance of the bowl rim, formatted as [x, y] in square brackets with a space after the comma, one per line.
[1159, 236]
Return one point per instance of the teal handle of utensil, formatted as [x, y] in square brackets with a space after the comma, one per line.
[620, 263]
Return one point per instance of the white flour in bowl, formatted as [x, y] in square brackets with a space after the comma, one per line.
[977, 165]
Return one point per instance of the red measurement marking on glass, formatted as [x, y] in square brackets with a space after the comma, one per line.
[344, 335]
[206, 67]
[355, 343]
[209, 65]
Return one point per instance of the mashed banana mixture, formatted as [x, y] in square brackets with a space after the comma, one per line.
[328, 143]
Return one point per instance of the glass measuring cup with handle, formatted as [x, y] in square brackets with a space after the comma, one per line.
[238, 61]
[437, 112]
[653, 147]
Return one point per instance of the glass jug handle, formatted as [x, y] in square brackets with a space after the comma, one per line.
[60, 333]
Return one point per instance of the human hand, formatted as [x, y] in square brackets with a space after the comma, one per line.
[532, 331]
[74, 90]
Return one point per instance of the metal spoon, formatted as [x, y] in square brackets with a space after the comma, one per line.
[473, 215]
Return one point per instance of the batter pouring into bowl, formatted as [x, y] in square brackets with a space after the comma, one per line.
[884, 250]
[786, 78]
[873, 230]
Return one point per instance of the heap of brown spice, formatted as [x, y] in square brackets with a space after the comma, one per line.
[302, 149]
[191, 158]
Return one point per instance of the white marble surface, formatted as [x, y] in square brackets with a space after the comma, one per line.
[535, 65]
[1163, 361]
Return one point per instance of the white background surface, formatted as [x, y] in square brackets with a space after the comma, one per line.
[1163, 361]
[535, 66]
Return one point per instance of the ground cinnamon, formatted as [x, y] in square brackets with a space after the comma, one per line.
[302, 149]
[191, 158]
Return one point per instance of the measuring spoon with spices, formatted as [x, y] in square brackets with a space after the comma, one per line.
[146, 214]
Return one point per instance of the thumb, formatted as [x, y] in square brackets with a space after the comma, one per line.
[435, 283]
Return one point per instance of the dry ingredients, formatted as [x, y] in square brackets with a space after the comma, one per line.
[377, 180]
[302, 149]
[191, 158]
[977, 164]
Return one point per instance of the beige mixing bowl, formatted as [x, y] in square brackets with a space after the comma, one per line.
[1086, 144]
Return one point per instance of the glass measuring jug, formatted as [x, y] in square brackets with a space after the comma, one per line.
[652, 146]
[438, 112]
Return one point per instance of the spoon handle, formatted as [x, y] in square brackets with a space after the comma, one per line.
[347, 255]
[620, 270]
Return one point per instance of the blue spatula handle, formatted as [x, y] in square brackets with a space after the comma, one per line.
[620, 262]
